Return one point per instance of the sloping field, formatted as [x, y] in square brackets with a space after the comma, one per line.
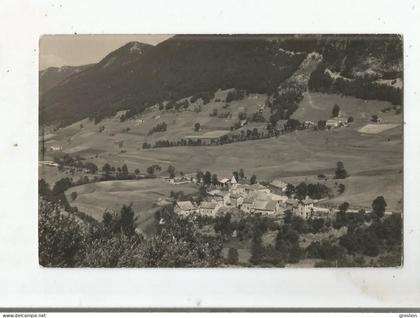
[376, 128]
[95, 198]
[318, 106]
[107, 135]
[361, 191]
[361, 188]
[301, 155]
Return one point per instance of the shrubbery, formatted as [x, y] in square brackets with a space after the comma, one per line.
[206, 97]
[359, 87]
[63, 242]
[235, 94]
[158, 128]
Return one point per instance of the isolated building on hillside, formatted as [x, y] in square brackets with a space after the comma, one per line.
[191, 176]
[308, 124]
[247, 189]
[179, 180]
[184, 208]
[322, 213]
[336, 122]
[332, 123]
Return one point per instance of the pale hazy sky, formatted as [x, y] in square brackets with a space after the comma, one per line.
[59, 50]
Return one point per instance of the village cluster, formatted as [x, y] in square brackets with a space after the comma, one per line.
[254, 199]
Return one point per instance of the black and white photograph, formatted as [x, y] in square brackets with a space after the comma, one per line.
[221, 150]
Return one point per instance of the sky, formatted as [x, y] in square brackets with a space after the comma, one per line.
[73, 50]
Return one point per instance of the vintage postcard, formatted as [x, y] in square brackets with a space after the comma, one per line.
[220, 150]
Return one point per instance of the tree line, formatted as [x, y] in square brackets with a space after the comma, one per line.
[114, 242]
[244, 135]
[158, 128]
[77, 162]
[360, 87]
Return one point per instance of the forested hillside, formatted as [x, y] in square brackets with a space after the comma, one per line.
[138, 75]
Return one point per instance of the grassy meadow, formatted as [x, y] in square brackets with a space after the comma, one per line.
[373, 160]
[94, 199]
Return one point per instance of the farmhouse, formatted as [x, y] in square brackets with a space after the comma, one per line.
[305, 208]
[179, 180]
[266, 207]
[332, 123]
[56, 148]
[184, 208]
[336, 122]
[191, 176]
[308, 124]
[207, 208]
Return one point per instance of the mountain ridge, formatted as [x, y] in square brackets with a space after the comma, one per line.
[138, 75]
[52, 76]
